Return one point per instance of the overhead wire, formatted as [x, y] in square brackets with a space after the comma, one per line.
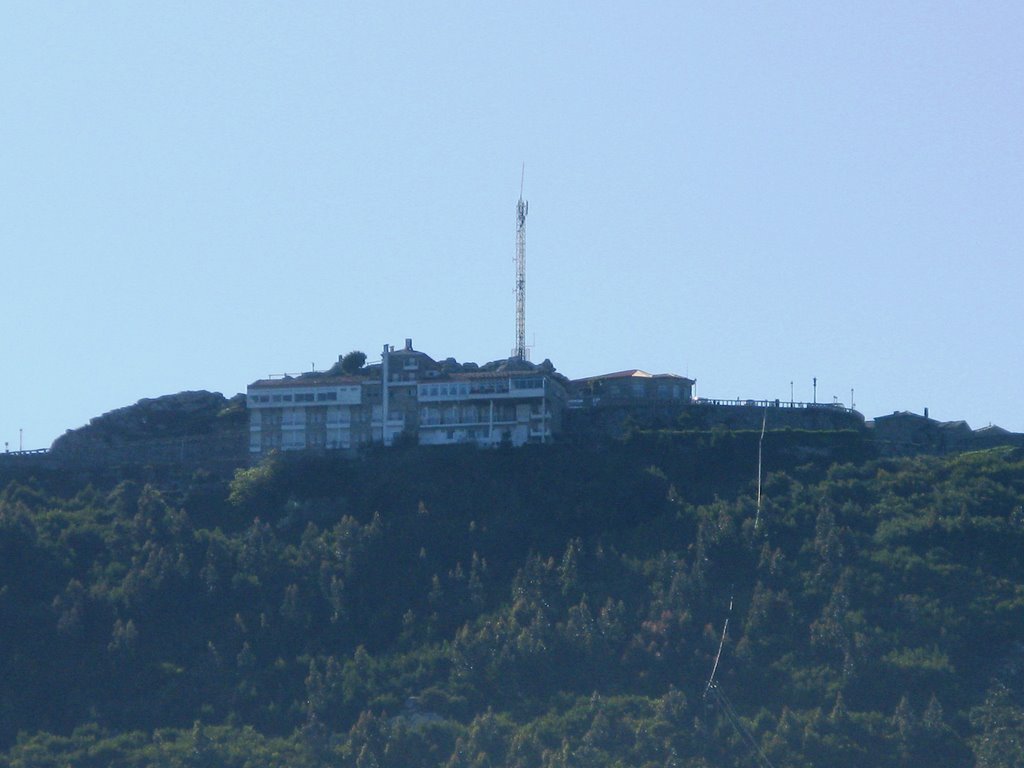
[760, 445]
[718, 656]
[725, 706]
[721, 700]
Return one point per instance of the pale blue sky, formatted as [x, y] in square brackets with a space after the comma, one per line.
[197, 194]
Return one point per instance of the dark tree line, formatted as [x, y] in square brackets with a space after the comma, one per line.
[548, 606]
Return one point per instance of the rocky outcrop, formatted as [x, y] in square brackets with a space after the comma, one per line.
[186, 428]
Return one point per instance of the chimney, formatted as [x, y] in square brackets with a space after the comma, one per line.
[926, 411]
[408, 345]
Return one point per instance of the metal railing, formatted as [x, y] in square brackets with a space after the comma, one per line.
[580, 403]
[769, 404]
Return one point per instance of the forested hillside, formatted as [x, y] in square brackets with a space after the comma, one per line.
[536, 607]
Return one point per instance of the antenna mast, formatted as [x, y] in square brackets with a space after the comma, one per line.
[522, 208]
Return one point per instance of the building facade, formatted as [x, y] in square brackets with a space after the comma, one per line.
[410, 394]
[607, 404]
[631, 387]
[295, 413]
[489, 408]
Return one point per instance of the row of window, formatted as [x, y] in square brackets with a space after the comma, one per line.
[532, 383]
[297, 397]
[429, 415]
[444, 390]
[466, 414]
[452, 389]
[274, 438]
[641, 389]
[486, 387]
[297, 416]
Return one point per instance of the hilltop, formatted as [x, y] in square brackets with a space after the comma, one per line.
[408, 397]
[205, 430]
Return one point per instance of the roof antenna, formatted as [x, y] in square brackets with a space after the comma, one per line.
[522, 208]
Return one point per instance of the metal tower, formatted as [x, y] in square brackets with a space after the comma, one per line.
[522, 208]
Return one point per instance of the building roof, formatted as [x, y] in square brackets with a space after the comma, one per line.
[326, 380]
[632, 373]
[306, 380]
[992, 429]
[408, 351]
[907, 415]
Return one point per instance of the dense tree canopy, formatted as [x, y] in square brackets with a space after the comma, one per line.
[353, 361]
[545, 606]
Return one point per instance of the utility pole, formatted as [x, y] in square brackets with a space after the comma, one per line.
[522, 208]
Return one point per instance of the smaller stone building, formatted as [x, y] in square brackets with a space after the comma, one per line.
[609, 403]
[631, 387]
[907, 433]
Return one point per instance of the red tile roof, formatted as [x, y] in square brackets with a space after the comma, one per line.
[632, 373]
[288, 382]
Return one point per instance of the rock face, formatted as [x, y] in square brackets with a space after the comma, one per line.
[185, 428]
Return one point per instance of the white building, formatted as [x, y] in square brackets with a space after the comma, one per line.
[407, 393]
[294, 413]
[489, 408]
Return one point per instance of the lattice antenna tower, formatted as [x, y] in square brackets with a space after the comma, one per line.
[522, 208]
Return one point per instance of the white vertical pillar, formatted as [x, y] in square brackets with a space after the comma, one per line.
[384, 395]
[544, 412]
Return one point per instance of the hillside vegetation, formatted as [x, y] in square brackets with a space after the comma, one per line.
[536, 607]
